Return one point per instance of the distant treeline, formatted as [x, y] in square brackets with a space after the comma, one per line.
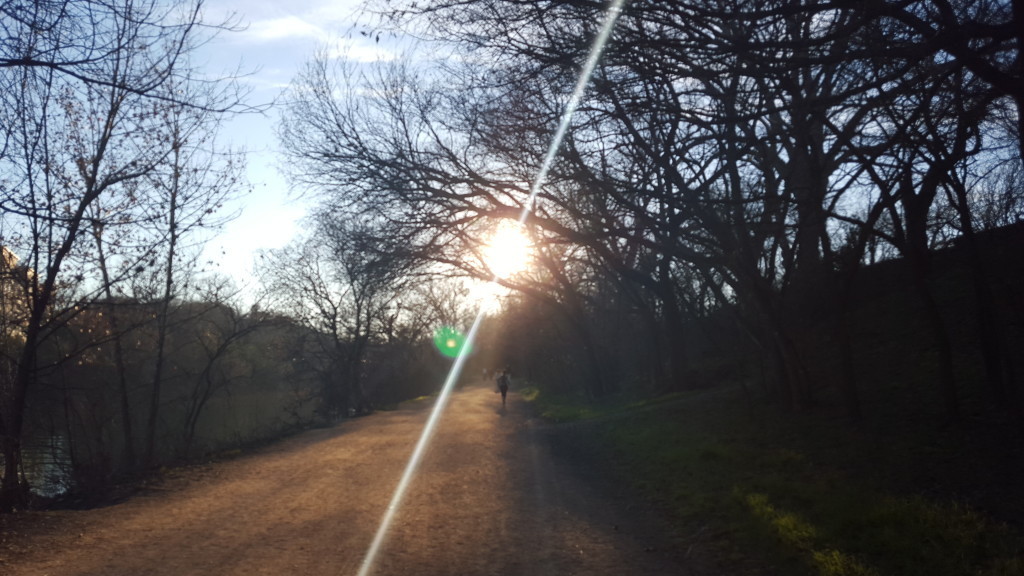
[733, 174]
[229, 380]
[880, 341]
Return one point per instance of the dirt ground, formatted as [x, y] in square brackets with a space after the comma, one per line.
[491, 497]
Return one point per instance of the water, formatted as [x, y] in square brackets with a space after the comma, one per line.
[46, 464]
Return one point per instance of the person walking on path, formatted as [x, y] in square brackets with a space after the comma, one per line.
[504, 379]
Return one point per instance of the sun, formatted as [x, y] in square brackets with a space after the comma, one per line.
[487, 296]
[507, 251]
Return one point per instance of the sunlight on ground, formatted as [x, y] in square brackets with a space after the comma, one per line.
[506, 252]
[802, 536]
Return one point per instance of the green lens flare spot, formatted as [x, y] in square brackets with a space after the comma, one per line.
[449, 341]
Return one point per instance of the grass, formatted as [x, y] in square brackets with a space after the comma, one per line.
[575, 408]
[777, 493]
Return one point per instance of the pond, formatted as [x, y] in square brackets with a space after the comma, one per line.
[46, 465]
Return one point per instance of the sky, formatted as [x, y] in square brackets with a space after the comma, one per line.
[280, 37]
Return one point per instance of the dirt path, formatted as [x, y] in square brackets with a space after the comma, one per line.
[489, 499]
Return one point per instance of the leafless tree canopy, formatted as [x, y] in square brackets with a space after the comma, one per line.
[108, 157]
[746, 156]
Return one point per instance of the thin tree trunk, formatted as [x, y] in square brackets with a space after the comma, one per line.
[11, 493]
[940, 336]
[122, 379]
[162, 319]
[991, 338]
[848, 378]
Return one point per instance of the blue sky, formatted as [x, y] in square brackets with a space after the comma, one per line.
[279, 38]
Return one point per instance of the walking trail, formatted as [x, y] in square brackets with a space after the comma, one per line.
[491, 497]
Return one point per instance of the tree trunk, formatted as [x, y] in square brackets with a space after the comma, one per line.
[12, 492]
[11, 489]
[162, 320]
[122, 378]
[674, 333]
[919, 268]
[991, 335]
[848, 378]
[597, 384]
[991, 338]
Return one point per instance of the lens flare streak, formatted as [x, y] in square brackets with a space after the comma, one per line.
[417, 453]
[612, 14]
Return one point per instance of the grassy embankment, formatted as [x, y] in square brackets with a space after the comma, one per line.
[758, 491]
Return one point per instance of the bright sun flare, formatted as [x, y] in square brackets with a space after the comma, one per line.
[508, 250]
[487, 296]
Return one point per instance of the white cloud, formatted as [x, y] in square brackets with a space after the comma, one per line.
[361, 49]
[279, 37]
[287, 27]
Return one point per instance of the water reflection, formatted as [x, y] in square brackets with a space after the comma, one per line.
[46, 464]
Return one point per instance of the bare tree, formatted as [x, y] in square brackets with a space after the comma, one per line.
[342, 285]
[196, 182]
[76, 40]
[982, 38]
[218, 331]
[739, 144]
[84, 122]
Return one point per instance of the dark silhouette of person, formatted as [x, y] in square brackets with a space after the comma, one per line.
[504, 379]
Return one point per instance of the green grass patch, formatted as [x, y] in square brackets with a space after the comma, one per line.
[529, 393]
[797, 497]
[561, 408]
[574, 408]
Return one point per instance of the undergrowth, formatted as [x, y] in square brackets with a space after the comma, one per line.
[769, 493]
